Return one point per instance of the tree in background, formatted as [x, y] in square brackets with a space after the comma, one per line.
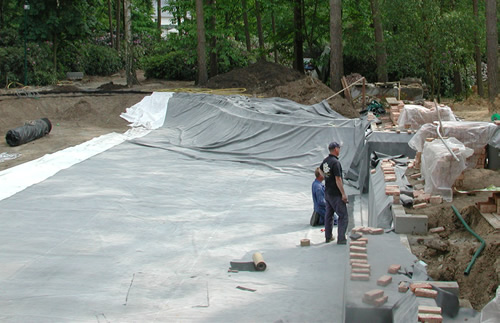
[477, 49]
[492, 50]
[298, 43]
[336, 59]
[201, 47]
[380, 52]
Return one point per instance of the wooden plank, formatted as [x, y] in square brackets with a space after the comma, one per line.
[347, 92]
[492, 219]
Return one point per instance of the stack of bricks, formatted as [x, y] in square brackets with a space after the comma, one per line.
[395, 109]
[425, 313]
[360, 268]
[375, 297]
[492, 205]
[388, 169]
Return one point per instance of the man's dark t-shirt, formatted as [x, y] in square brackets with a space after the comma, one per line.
[331, 168]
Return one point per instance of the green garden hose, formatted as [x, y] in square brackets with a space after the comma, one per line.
[478, 251]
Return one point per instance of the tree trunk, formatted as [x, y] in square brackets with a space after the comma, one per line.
[201, 47]
[275, 45]
[492, 49]
[259, 29]
[336, 61]
[298, 42]
[129, 55]
[214, 68]
[477, 49]
[110, 21]
[158, 19]
[118, 23]
[380, 51]
[245, 25]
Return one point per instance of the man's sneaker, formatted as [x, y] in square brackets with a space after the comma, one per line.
[342, 242]
[330, 240]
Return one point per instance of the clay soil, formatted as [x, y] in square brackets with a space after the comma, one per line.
[80, 111]
[448, 253]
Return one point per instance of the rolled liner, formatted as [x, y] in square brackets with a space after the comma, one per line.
[30, 131]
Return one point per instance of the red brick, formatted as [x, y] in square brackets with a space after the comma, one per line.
[358, 243]
[436, 199]
[356, 255]
[373, 171]
[436, 230]
[357, 249]
[378, 301]
[363, 239]
[403, 287]
[384, 280]
[414, 286]
[429, 309]
[360, 277]
[424, 292]
[415, 176]
[360, 270]
[430, 318]
[420, 206]
[373, 294]
[393, 269]
[360, 265]
[359, 261]
[376, 231]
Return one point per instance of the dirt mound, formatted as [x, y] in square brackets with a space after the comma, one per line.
[257, 78]
[308, 91]
[111, 86]
[273, 80]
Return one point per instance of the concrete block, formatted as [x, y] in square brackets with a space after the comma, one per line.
[410, 224]
[424, 292]
[393, 269]
[384, 280]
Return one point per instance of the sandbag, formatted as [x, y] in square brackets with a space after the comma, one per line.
[30, 131]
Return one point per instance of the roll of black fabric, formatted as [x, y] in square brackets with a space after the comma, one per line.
[30, 131]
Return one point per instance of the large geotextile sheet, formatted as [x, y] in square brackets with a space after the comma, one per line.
[146, 230]
[276, 133]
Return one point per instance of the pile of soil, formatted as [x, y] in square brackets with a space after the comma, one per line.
[448, 253]
[268, 79]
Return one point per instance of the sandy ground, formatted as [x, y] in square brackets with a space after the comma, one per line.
[77, 116]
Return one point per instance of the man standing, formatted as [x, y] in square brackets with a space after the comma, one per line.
[318, 196]
[335, 196]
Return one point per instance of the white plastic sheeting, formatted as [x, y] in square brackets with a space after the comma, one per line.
[415, 116]
[440, 169]
[472, 134]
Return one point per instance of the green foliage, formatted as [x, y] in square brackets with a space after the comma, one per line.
[101, 60]
[11, 65]
[8, 37]
[171, 66]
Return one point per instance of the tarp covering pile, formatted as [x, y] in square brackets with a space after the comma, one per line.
[440, 169]
[415, 116]
[30, 131]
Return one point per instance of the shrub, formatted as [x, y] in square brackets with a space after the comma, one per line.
[170, 66]
[101, 60]
[11, 65]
